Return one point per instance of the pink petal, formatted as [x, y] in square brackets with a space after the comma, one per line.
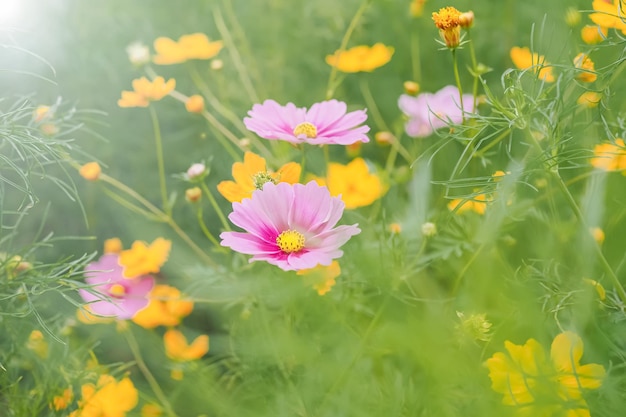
[270, 120]
[326, 113]
[247, 243]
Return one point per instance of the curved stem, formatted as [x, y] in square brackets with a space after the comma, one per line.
[330, 89]
[159, 151]
[205, 229]
[457, 78]
[216, 206]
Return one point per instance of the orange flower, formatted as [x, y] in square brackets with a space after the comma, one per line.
[142, 259]
[145, 91]
[589, 99]
[37, 344]
[478, 204]
[592, 34]
[449, 25]
[195, 104]
[523, 59]
[361, 58]
[252, 174]
[166, 308]
[194, 46]
[113, 245]
[177, 348]
[90, 171]
[609, 156]
[108, 398]
[609, 14]
[354, 182]
[61, 402]
[322, 277]
[584, 63]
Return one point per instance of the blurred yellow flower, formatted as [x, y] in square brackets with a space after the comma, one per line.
[584, 63]
[42, 113]
[538, 386]
[597, 234]
[449, 25]
[610, 156]
[145, 91]
[609, 14]
[523, 59]
[108, 398]
[353, 182]
[599, 288]
[177, 348]
[142, 259]
[193, 46]
[417, 7]
[151, 410]
[86, 316]
[61, 402]
[589, 99]
[195, 104]
[361, 58]
[592, 34]
[478, 204]
[166, 308]
[322, 278]
[395, 228]
[37, 344]
[113, 245]
[252, 173]
[90, 171]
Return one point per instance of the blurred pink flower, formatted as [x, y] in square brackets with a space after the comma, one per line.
[325, 123]
[111, 294]
[428, 112]
[291, 226]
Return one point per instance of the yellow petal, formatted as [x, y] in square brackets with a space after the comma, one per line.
[233, 192]
[290, 173]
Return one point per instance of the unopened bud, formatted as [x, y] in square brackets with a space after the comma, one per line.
[429, 229]
[195, 104]
[217, 64]
[466, 20]
[193, 195]
[196, 171]
[384, 138]
[411, 87]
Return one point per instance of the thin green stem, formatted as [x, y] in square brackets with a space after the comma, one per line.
[205, 229]
[216, 206]
[457, 78]
[161, 164]
[491, 144]
[415, 57]
[474, 67]
[330, 89]
[158, 392]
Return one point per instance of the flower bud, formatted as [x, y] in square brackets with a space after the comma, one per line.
[429, 229]
[466, 20]
[195, 104]
[193, 195]
[411, 87]
[196, 171]
[90, 171]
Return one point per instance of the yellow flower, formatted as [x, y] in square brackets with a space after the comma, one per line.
[395, 228]
[417, 7]
[609, 156]
[145, 91]
[592, 34]
[597, 234]
[86, 316]
[478, 204]
[113, 245]
[523, 59]
[108, 398]
[589, 99]
[584, 63]
[42, 113]
[252, 174]
[449, 25]
[356, 185]
[90, 171]
[151, 410]
[361, 58]
[538, 386]
[177, 348]
[142, 259]
[166, 308]
[195, 104]
[37, 344]
[321, 277]
[61, 402]
[194, 46]
[609, 14]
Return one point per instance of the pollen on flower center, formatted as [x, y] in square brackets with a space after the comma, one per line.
[117, 290]
[290, 241]
[261, 178]
[307, 129]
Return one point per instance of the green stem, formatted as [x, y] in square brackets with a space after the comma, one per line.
[415, 57]
[205, 229]
[216, 206]
[474, 68]
[491, 144]
[457, 78]
[160, 161]
[330, 89]
[158, 392]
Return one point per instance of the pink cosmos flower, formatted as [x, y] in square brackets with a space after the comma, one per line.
[291, 226]
[111, 294]
[325, 123]
[428, 112]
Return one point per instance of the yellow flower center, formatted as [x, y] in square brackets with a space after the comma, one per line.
[261, 178]
[117, 290]
[306, 128]
[290, 241]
